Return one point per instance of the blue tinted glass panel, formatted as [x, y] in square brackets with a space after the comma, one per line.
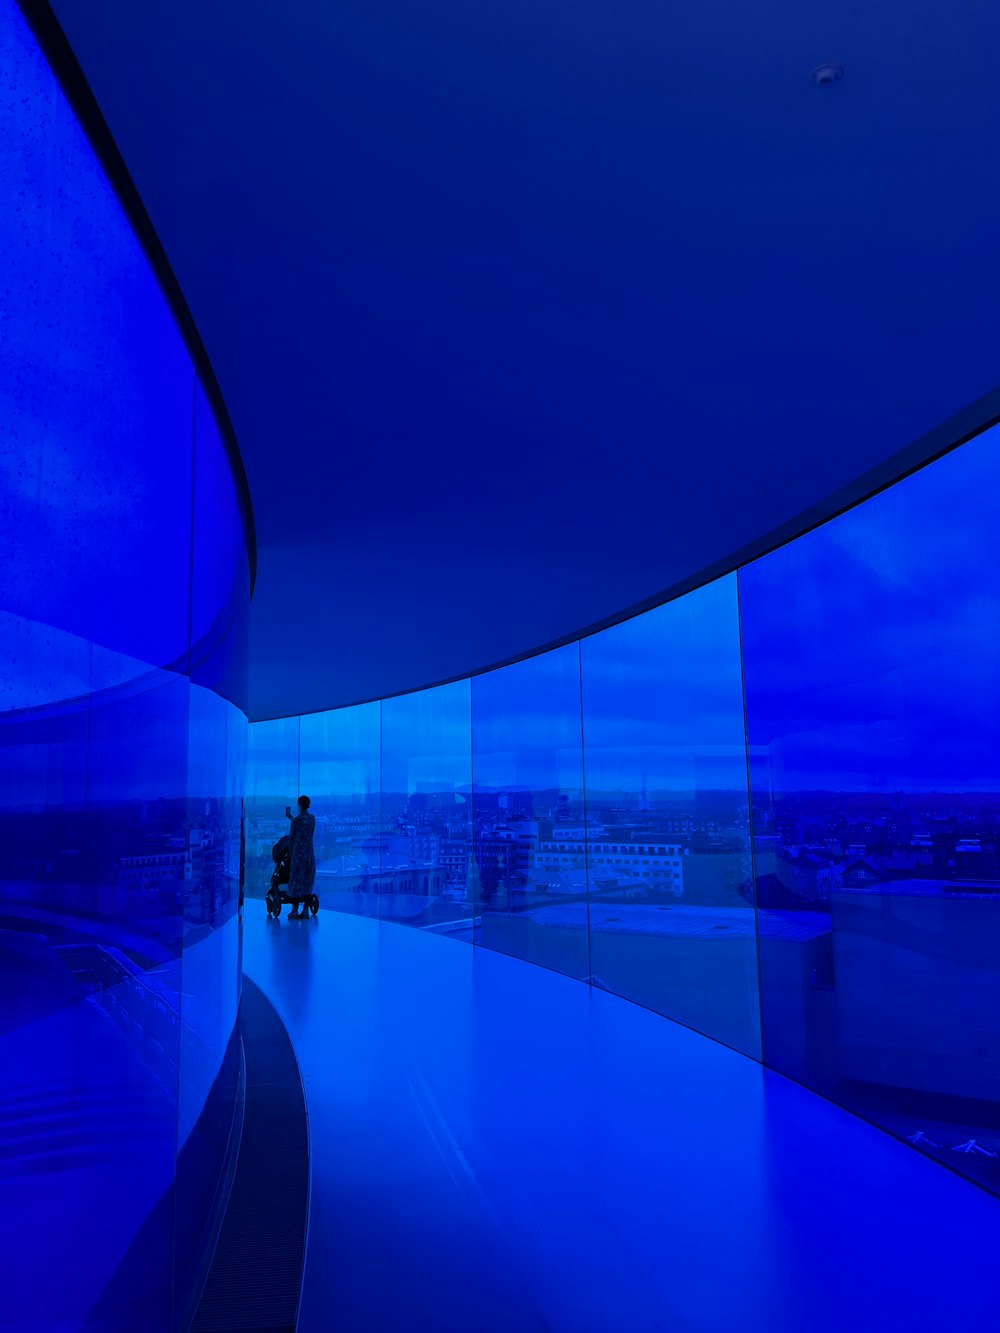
[234, 807]
[119, 950]
[137, 795]
[530, 836]
[210, 972]
[216, 773]
[671, 901]
[339, 771]
[209, 900]
[427, 809]
[96, 389]
[272, 784]
[58, 1056]
[91, 930]
[872, 652]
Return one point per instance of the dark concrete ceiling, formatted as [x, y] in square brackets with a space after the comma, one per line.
[527, 311]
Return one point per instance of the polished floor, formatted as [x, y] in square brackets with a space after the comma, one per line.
[497, 1147]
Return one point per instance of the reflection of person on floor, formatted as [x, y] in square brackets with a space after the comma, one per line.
[302, 870]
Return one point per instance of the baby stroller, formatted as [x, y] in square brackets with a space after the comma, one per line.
[281, 855]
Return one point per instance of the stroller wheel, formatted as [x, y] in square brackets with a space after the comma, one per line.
[314, 904]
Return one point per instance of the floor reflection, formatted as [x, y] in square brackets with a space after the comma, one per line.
[496, 1146]
[293, 945]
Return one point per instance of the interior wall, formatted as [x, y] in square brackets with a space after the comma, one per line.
[124, 594]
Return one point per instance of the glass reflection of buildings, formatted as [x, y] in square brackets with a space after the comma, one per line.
[454, 852]
[897, 897]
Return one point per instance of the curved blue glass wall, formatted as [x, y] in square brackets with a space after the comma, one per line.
[124, 590]
[872, 648]
[768, 809]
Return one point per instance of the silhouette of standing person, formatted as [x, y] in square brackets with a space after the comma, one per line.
[302, 868]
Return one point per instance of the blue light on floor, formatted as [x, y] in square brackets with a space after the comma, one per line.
[498, 1147]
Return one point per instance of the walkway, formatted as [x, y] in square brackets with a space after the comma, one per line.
[496, 1147]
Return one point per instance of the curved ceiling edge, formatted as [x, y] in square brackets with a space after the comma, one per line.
[55, 45]
[936, 443]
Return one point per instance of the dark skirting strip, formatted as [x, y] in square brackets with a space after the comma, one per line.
[255, 1280]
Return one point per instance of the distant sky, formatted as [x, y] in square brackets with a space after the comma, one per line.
[872, 645]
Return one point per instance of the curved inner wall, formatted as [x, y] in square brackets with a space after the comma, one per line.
[124, 593]
[768, 809]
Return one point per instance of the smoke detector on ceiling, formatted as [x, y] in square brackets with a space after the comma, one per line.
[827, 73]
